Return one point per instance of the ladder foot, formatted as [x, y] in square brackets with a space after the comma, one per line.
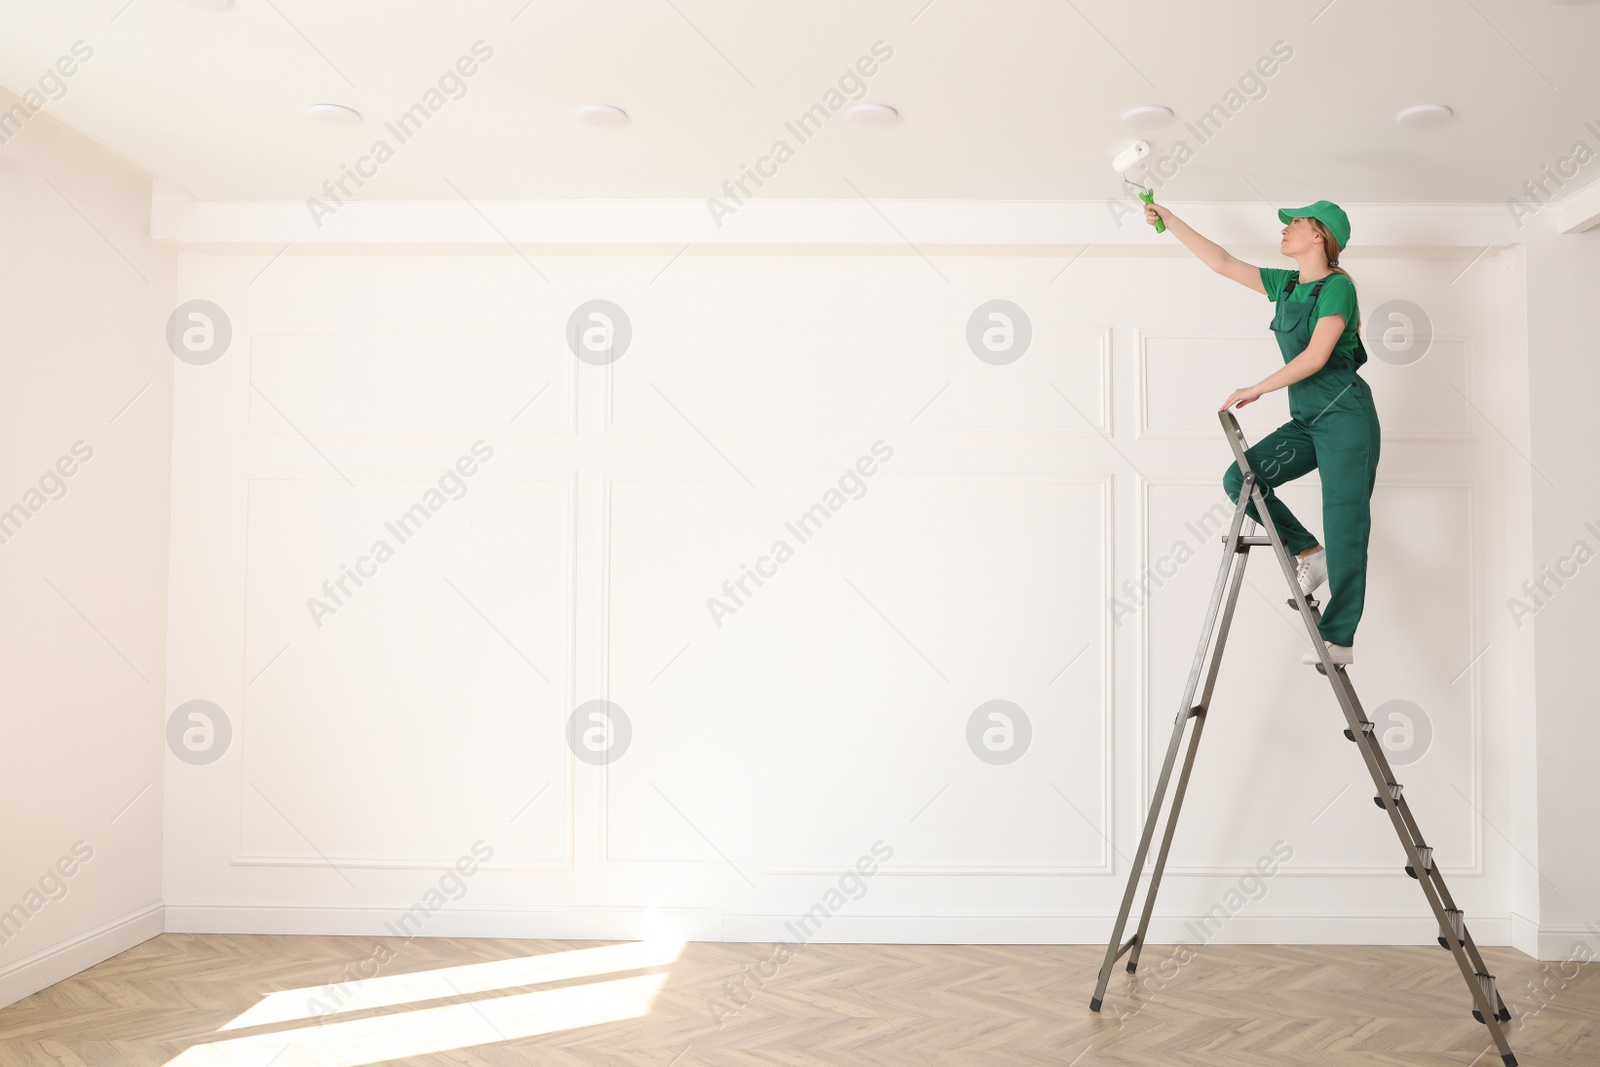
[1511, 1060]
[1094, 1005]
[1133, 968]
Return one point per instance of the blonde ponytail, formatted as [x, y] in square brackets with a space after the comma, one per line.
[1330, 245]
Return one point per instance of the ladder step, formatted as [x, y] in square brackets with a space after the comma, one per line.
[1492, 995]
[1457, 923]
[1366, 728]
[1196, 710]
[1253, 540]
[1394, 794]
[1427, 860]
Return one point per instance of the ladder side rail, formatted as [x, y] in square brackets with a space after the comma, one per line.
[1408, 818]
[1377, 765]
[1230, 561]
[1199, 711]
[1415, 831]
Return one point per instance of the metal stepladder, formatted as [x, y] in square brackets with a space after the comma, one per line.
[1488, 1008]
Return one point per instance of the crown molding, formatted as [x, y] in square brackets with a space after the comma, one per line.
[881, 226]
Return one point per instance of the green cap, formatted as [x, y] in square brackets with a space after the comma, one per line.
[1326, 212]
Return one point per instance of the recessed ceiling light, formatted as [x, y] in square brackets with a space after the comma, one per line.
[874, 114]
[334, 114]
[1424, 116]
[601, 115]
[206, 5]
[1147, 116]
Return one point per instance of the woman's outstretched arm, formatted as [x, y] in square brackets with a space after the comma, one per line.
[1208, 252]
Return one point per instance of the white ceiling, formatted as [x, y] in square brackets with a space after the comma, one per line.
[1001, 99]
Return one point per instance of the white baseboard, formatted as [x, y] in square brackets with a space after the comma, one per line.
[48, 966]
[1525, 936]
[626, 924]
[1564, 943]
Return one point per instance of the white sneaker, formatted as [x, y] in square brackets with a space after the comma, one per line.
[1312, 571]
[1342, 656]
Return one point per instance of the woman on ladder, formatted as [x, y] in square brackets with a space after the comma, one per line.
[1333, 426]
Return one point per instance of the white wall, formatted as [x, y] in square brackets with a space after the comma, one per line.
[83, 564]
[1562, 271]
[831, 711]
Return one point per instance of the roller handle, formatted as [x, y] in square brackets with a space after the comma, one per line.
[1149, 196]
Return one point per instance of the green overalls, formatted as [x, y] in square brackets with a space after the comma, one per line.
[1333, 428]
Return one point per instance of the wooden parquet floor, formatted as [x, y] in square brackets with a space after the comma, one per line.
[210, 1000]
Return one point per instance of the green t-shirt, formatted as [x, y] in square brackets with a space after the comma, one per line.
[1338, 297]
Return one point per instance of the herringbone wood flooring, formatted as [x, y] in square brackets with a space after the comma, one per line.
[446, 1001]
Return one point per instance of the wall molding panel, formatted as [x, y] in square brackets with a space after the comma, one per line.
[774, 740]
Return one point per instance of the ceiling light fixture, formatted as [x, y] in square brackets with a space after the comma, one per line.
[874, 115]
[1424, 116]
[601, 115]
[334, 114]
[1147, 116]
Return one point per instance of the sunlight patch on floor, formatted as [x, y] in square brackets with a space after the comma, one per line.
[418, 1032]
[358, 994]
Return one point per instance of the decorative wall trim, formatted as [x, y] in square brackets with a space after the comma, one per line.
[1104, 864]
[244, 478]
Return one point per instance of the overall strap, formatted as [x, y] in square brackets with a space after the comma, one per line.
[1315, 290]
[1360, 356]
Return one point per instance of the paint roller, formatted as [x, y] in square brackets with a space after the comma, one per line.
[1126, 159]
